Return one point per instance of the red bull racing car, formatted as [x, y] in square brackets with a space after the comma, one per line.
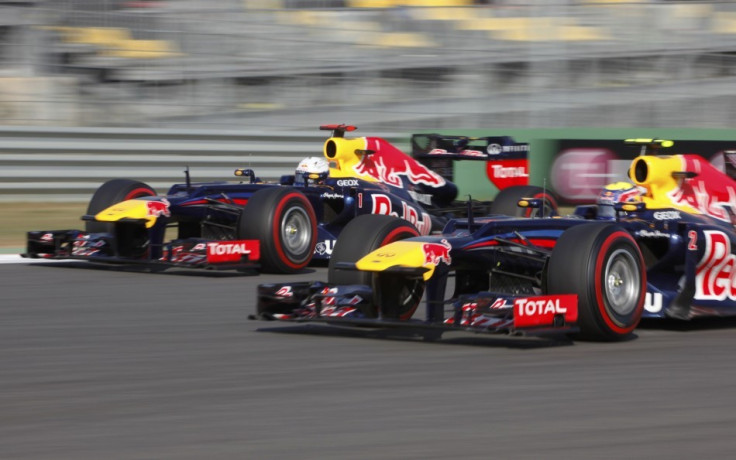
[661, 246]
[277, 227]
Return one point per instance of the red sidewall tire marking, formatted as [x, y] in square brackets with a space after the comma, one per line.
[135, 193]
[545, 197]
[276, 233]
[610, 239]
[390, 238]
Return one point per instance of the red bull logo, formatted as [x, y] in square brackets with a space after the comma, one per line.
[158, 208]
[715, 274]
[697, 195]
[710, 192]
[387, 164]
[436, 253]
[381, 204]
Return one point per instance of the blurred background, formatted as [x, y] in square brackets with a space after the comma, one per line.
[395, 65]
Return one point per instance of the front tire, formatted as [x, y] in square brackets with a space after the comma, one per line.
[506, 202]
[112, 192]
[603, 265]
[284, 222]
[396, 296]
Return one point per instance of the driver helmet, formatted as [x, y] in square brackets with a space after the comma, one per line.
[617, 192]
[311, 171]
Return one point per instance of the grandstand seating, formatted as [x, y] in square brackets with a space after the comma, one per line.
[406, 3]
[725, 23]
[361, 32]
[460, 19]
[258, 55]
[115, 42]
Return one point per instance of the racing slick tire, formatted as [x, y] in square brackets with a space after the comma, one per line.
[111, 192]
[506, 202]
[603, 265]
[283, 220]
[396, 296]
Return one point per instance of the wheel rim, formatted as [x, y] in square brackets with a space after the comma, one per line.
[409, 297]
[296, 232]
[399, 296]
[407, 292]
[621, 278]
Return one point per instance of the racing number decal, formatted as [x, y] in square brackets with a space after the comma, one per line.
[692, 245]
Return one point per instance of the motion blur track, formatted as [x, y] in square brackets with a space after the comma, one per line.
[100, 362]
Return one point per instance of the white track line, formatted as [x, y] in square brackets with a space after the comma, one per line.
[17, 259]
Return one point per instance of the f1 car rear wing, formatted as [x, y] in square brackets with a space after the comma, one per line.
[506, 161]
[338, 130]
[649, 146]
[467, 148]
[729, 157]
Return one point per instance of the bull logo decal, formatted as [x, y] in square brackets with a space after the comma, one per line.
[159, 208]
[436, 253]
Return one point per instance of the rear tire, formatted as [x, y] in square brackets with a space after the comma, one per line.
[112, 192]
[603, 265]
[506, 202]
[396, 296]
[284, 222]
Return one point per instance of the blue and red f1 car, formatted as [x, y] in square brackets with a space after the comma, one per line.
[280, 227]
[661, 246]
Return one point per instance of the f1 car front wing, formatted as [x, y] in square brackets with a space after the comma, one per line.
[185, 253]
[484, 312]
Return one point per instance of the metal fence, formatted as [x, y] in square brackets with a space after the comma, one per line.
[68, 164]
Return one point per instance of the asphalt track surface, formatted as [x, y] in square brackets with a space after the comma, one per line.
[124, 364]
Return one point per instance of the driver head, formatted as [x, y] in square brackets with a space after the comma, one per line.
[617, 192]
[311, 171]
